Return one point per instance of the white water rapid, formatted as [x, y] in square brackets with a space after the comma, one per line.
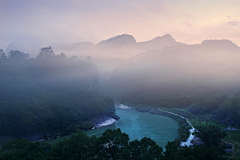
[191, 136]
[122, 106]
[111, 120]
[105, 123]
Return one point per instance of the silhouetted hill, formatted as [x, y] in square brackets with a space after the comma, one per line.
[121, 46]
[158, 43]
[129, 42]
[118, 41]
[220, 44]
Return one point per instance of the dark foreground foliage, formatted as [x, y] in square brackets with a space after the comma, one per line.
[113, 144]
[210, 134]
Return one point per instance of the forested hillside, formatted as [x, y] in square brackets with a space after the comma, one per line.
[49, 94]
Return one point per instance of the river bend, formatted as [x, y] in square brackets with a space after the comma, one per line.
[137, 125]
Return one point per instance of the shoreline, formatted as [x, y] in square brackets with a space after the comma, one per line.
[107, 120]
[191, 136]
[98, 122]
[104, 121]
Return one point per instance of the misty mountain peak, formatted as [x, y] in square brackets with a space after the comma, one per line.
[166, 37]
[118, 41]
[158, 43]
[17, 46]
[219, 44]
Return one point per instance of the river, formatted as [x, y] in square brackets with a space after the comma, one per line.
[137, 125]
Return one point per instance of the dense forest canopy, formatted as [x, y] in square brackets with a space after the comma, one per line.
[51, 93]
[113, 144]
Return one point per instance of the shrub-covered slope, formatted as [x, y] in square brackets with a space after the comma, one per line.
[48, 94]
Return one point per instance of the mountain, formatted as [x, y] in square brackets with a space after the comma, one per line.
[129, 42]
[158, 43]
[121, 46]
[117, 41]
[50, 94]
[171, 75]
[220, 44]
[17, 46]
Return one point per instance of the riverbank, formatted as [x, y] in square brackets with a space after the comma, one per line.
[96, 122]
[192, 130]
[104, 121]
[138, 125]
[194, 119]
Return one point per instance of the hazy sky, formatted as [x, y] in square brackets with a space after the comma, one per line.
[188, 21]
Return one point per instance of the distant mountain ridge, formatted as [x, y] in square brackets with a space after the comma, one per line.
[158, 43]
[211, 63]
[123, 46]
[118, 41]
[129, 40]
[219, 44]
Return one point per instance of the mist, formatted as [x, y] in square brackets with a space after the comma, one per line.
[160, 61]
[88, 71]
[188, 70]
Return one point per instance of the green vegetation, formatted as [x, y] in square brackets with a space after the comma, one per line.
[216, 110]
[210, 121]
[232, 137]
[237, 151]
[183, 110]
[210, 134]
[113, 144]
[51, 94]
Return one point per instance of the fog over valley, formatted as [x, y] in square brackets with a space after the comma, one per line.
[127, 80]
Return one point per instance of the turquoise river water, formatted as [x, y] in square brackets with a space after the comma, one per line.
[137, 125]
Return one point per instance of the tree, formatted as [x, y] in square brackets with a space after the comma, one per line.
[171, 151]
[114, 144]
[145, 149]
[62, 55]
[2, 54]
[79, 146]
[88, 59]
[18, 55]
[74, 58]
[210, 134]
[235, 110]
[46, 52]
[23, 149]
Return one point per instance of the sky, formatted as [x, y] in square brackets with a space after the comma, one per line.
[51, 21]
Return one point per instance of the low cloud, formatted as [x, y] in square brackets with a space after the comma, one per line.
[233, 23]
